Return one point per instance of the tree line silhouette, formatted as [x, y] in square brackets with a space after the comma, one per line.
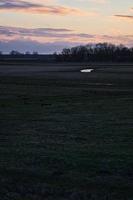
[99, 53]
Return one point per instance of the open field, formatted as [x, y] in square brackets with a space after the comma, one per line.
[65, 135]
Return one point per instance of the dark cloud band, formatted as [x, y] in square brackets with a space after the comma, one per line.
[41, 32]
[124, 16]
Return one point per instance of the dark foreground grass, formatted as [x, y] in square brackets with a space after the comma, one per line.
[62, 139]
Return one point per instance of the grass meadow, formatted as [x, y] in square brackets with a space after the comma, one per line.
[66, 135]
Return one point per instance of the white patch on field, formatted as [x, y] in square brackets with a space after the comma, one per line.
[86, 70]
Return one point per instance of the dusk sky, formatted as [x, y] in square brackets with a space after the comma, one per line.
[47, 26]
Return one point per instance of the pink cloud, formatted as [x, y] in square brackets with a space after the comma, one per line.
[43, 35]
[25, 6]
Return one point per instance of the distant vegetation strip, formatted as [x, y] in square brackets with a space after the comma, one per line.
[101, 52]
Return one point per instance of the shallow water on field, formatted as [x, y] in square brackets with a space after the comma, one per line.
[86, 70]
